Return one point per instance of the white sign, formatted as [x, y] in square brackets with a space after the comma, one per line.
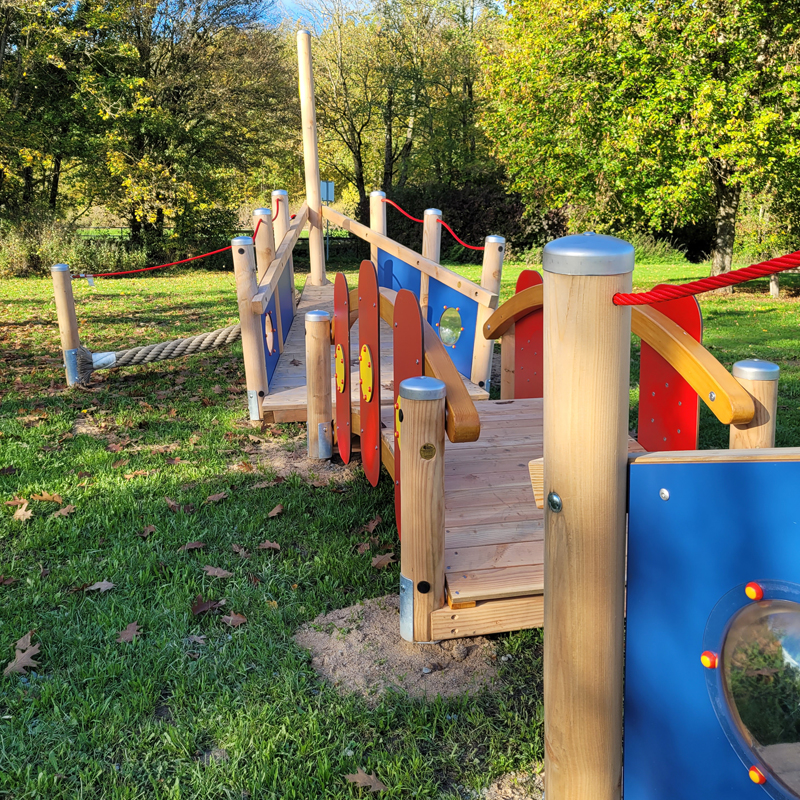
[326, 189]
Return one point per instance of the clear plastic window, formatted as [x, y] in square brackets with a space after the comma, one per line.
[450, 326]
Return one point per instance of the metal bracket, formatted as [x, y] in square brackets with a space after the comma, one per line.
[325, 440]
[253, 405]
[406, 608]
[71, 366]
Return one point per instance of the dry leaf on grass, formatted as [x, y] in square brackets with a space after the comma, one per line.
[200, 606]
[254, 579]
[23, 660]
[267, 484]
[121, 463]
[268, 545]
[100, 586]
[17, 501]
[46, 497]
[22, 514]
[235, 620]
[240, 551]
[8, 471]
[365, 781]
[147, 530]
[25, 642]
[215, 498]
[136, 474]
[379, 562]
[176, 460]
[217, 572]
[43, 571]
[191, 546]
[130, 633]
[6, 581]
[363, 547]
[63, 512]
[244, 466]
[171, 504]
[275, 511]
[197, 639]
[371, 525]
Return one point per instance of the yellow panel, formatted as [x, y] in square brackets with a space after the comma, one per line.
[367, 373]
[339, 369]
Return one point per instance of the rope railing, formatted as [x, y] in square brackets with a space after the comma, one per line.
[737, 276]
[440, 221]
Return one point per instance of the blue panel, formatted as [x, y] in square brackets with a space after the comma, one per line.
[722, 526]
[441, 297]
[271, 358]
[286, 294]
[396, 274]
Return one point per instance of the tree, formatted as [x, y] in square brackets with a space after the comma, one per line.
[655, 113]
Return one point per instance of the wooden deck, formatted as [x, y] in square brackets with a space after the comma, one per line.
[286, 401]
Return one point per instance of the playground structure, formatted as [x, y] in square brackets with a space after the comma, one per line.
[712, 586]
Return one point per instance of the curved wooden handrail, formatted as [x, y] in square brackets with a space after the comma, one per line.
[462, 421]
[516, 307]
[732, 404]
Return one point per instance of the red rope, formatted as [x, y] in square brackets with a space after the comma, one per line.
[732, 278]
[453, 233]
[404, 213]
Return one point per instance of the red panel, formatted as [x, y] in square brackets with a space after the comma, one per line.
[528, 343]
[341, 336]
[369, 321]
[669, 409]
[408, 363]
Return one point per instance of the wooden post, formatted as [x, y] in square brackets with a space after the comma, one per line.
[775, 285]
[421, 505]
[265, 253]
[255, 364]
[586, 396]
[490, 279]
[760, 379]
[281, 221]
[377, 221]
[308, 113]
[67, 321]
[318, 380]
[432, 249]
[508, 358]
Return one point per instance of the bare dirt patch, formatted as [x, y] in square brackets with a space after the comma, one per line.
[515, 786]
[359, 649]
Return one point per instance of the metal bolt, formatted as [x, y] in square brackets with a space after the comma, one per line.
[554, 502]
[663, 494]
[712, 396]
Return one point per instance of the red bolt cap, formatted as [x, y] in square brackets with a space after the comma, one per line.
[757, 776]
[754, 591]
[709, 659]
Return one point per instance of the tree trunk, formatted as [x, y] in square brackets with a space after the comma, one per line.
[54, 179]
[726, 195]
[388, 142]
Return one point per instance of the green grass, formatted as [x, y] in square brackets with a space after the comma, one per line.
[101, 719]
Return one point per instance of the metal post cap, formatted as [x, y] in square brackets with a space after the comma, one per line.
[436, 211]
[242, 241]
[303, 32]
[59, 268]
[754, 369]
[422, 388]
[495, 240]
[377, 194]
[317, 316]
[281, 192]
[588, 254]
[262, 212]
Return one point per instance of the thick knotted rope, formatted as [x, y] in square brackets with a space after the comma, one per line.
[147, 354]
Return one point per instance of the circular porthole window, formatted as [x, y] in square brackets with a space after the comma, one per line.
[752, 651]
[450, 326]
[269, 334]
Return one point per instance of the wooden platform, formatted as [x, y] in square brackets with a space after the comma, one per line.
[286, 401]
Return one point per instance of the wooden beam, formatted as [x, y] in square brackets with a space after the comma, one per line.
[716, 387]
[536, 470]
[424, 265]
[516, 307]
[488, 616]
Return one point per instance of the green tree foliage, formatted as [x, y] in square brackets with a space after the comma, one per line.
[655, 113]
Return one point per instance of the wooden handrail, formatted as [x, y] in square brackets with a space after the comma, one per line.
[282, 254]
[463, 423]
[425, 265]
[731, 404]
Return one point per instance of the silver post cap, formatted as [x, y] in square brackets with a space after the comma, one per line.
[433, 211]
[495, 240]
[422, 389]
[588, 254]
[317, 316]
[280, 193]
[262, 212]
[303, 32]
[377, 194]
[754, 369]
[242, 241]
[59, 268]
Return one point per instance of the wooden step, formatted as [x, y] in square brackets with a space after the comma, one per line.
[488, 616]
[492, 584]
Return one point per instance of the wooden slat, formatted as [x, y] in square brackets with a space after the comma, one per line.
[516, 307]
[494, 556]
[490, 616]
[425, 265]
[716, 456]
[491, 584]
[536, 470]
[494, 533]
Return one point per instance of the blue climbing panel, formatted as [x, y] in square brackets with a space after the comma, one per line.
[396, 274]
[286, 298]
[690, 557]
[271, 354]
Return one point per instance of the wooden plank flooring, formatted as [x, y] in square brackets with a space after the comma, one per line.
[287, 399]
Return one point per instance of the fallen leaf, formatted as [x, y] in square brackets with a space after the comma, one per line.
[267, 484]
[6, 581]
[22, 514]
[275, 511]
[8, 471]
[25, 642]
[23, 660]
[114, 448]
[63, 512]
[121, 463]
[171, 504]
[272, 603]
[136, 474]
[191, 546]
[76, 589]
[244, 466]
[254, 579]
[147, 530]
[215, 498]
[130, 633]
[200, 606]
[43, 572]
[197, 639]
[363, 547]
[84, 474]
[17, 501]
[217, 572]
[235, 620]
[371, 525]
[240, 551]
[379, 562]
[176, 460]
[46, 497]
[365, 781]
[295, 363]
[216, 389]
[101, 586]
[268, 545]
[193, 655]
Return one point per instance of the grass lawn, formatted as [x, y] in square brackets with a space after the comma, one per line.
[105, 719]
